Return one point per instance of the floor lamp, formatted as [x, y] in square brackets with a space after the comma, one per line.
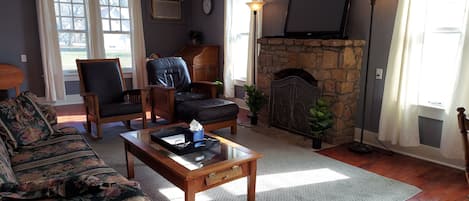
[359, 147]
[255, 6]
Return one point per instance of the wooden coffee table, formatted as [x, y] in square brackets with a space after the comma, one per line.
[194, 172]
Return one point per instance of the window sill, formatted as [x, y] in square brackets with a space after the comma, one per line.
[431, 112]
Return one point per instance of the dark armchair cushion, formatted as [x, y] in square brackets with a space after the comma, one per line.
[115, 109]
[207, 111]
[104, 79]
[188, 96]
[169, 72]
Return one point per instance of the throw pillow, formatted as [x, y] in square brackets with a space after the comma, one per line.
[25, 121]
[8, 180]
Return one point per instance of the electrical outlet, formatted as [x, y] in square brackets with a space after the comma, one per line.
[379, 73]
[24, 58]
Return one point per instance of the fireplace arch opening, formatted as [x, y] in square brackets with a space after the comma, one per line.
[293, 92]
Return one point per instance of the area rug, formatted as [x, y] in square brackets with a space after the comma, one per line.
[287, 172]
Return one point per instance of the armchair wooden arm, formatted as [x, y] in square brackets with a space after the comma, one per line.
[91, 103]
[162, 102]
[206, 87]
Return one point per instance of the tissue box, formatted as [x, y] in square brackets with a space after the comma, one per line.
[198, 136]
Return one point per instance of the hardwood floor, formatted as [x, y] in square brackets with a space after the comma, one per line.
[438, 183]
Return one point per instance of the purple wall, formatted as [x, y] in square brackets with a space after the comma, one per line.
[20, 35]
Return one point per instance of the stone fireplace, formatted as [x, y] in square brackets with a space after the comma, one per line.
[334, 64]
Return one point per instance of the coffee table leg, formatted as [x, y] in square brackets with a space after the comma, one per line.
[252, 181]
[129, 158]
[189, 195]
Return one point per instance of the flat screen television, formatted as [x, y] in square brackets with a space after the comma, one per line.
[325, 19]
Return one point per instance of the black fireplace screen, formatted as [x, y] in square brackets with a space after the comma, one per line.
[290, 100]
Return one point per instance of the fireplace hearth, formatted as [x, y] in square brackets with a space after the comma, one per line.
[301, 70]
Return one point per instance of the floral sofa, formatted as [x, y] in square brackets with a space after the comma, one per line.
[38, 161]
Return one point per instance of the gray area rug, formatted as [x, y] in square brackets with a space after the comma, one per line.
[289, 171]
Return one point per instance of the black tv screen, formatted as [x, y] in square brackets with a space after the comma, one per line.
[317, 18]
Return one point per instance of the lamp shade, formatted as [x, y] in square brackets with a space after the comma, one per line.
[255, 5]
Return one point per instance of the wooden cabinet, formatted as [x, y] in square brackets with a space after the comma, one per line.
[202, 61]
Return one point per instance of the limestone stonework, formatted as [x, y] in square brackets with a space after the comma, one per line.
[335, 64]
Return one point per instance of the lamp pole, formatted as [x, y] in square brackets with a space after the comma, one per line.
[360, 147]
[255, 6]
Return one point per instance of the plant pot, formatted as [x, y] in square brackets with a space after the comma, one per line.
[317, 143]
[253, 119]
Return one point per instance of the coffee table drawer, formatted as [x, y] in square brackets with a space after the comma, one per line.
[223, 176]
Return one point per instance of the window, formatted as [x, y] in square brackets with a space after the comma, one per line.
[116, 29]
[442, 44]
[240, 37]
[72, 31]
[72, 25]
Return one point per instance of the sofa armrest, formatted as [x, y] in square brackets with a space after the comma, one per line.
[206, 87]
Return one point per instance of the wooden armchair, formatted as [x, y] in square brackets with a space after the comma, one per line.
[106, 99]
[170, 84]
[463, 124]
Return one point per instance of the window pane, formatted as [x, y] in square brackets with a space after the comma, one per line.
[103, 2]
[78, 10]
[56, 8]
[438, 68]
[240, 53]
[125, 25]
[447, 13]
[104, 12]
[57, 20]
[65, 9]
[125, 13]
[106, 25]
[72, 47]
[114, 2]
[67, 23]
[124, 3]
[115, 25]
[118, 46]
[64, 0]
[78, 1]
[115, 13]
[80, 24]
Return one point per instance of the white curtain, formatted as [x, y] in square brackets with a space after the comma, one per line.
[228, 70]
[96, 41]
[139, 72]
[400, 108]
[51, 61]
[251, 45]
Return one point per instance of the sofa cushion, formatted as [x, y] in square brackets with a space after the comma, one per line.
[180, 97]
[7, 177]
[24, 120]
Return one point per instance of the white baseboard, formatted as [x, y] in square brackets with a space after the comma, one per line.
[422, 152]
[69, 100]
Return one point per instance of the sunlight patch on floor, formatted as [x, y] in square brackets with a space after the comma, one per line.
[71, 118]
[265, 183]
[176, 194]
[273, 182]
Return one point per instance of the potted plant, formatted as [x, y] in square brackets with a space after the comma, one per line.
[196, 37]
[320, 119]
[255, 99]
[219, 85]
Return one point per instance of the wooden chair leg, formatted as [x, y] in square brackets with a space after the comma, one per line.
[467, 177]
[127, 124]
[99, 131]
[144, 120]
[234, 129]
[88, 126]
[153, 116]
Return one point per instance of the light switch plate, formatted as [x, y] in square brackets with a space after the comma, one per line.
[24, 58]
[379, 73]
